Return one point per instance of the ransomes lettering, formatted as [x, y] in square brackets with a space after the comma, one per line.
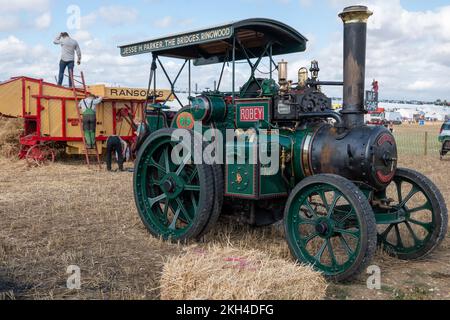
[138, 93]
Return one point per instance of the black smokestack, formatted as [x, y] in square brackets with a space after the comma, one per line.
[355, 34]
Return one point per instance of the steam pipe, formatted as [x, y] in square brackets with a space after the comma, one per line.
[355, 35]
[325, 83]
[330, 114]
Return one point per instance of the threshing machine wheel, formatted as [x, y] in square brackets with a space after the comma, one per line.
[174, 201]
[39, 155]
[330, 225]
[425, 218]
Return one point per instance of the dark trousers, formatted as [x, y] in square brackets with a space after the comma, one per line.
[89, 126]
[113, 145]
[62, 68]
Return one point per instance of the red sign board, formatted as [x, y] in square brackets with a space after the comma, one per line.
[251, 114]
[74, 122]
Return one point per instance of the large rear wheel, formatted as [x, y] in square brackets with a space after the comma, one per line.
[174, 200]
[424, 226]
[217, 199]
[330, 225]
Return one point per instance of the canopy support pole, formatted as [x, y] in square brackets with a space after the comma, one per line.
[271, 60]
[151, 78]
[254, 67]
[154, 82]
[189, 79]
[172, 83]
[221, 73]
[234, 68]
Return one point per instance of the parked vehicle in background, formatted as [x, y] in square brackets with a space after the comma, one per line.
[444, 138]
[394, 117]
[376, 118]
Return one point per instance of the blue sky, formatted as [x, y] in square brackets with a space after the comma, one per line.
[395, 48]
[318, 18]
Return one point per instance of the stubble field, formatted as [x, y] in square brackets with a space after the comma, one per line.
[65, 214]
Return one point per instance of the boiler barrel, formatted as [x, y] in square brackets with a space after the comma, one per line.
[366, 154]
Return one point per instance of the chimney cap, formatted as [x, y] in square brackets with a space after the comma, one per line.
[355, 14]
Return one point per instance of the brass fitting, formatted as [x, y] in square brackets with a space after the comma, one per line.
[355, 14]
[302, 77]
[282, 76]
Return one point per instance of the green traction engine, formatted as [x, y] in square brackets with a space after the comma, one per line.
[336, 186]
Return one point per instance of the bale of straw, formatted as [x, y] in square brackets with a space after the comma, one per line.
[227, 273]
[10, 130]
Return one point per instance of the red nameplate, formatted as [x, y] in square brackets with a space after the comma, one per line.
[251, 114]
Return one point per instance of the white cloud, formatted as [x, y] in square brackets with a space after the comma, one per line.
[164, 22]
[88, 20]
[118, 15]
[24, 5]
[11, 10]
[82, 36]
[43, 21]
[421, 85]
[9, 23]
[407, 51]
[169, 21]
[101, 61]
[17, 58]
[112, 15]
[11, 45]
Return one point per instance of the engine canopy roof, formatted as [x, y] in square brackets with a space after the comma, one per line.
[215, 44]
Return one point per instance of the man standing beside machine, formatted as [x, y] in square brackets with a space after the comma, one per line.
[88, 107]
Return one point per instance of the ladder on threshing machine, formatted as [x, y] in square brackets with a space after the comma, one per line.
[87, 152]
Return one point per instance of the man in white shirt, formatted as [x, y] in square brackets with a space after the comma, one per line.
[68, 48]
[88, 107]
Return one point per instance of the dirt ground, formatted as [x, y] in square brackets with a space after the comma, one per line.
[66, 214]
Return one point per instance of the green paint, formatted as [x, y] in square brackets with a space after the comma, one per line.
[335, 227]
[200, 108]
[241, 176]
[270, 88]
[159, 186]
[271, 182]
[403, 215]
[156, 121]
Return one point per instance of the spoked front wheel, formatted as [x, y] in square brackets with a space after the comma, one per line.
[422, 212]
[174, 198]
[330, 225]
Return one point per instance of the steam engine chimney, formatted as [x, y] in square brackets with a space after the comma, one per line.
[355, 34]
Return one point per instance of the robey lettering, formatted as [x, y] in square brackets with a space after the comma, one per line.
[251, 113]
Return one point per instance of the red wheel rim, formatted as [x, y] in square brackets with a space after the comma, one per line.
[40, 155]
